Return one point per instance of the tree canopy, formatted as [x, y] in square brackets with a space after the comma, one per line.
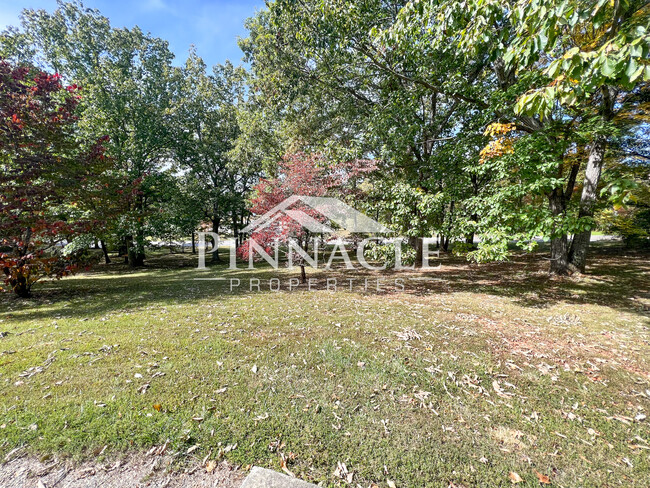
[507, 121]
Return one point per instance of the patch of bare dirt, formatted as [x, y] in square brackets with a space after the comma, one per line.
[133, 471]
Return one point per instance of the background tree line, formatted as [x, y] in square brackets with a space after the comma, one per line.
[507, 120]
[169, 135]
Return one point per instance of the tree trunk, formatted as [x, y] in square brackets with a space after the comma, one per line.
[130, 251]
[559, 242]
[560, 255]
[136, 250]
[449, 226]
[193, 242]
[135, 256]
[139, 240]
[303, 274]
[215, 228]
[105, 251]
[444, 243]
[123, 250]
[235, 228]
[20, 286]
[580, 243]
[469, 239]
[416, 243]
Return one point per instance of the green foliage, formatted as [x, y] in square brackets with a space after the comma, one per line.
[385, 253]
[48, 176]
[627, 209]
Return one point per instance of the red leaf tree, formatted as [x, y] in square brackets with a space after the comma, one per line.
[45, 172]
[299, 174]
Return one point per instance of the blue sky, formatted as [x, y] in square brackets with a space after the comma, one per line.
[211, 25]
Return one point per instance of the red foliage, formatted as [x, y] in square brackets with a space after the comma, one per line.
[45, 171]
[300, 174]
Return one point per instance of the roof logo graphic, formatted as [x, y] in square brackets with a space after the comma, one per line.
[333, 209]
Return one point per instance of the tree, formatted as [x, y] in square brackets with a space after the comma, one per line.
[47, 176]
[338, 87]
[595, 57]
[126, 75]
[299, 174]
[555, 75]
[206, 124]
[178, 210]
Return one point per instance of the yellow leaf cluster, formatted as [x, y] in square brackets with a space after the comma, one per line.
[496, 148]
[498, 129]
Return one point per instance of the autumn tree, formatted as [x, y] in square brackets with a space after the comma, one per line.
[47, 176]
[300, 174]
[126, 75]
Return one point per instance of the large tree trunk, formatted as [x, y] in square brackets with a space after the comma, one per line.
[559, 241]
[136, 251]
[580, 243]
[135, 254]
[193, 242]
[560, 255]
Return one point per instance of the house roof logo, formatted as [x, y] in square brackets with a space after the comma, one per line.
[334, 210]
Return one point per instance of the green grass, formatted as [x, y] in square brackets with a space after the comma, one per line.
[337, 378]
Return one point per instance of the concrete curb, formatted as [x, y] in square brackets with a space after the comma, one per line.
[266, 478]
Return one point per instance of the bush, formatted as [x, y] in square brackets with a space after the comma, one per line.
[632, 224]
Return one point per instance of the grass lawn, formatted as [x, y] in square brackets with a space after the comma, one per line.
[460, 381]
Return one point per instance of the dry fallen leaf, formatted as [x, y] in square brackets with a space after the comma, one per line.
[283, 465]
[543, 479]
[499, 391]
[342, 472]
[157, 407]
[514, 477]
[210, 467]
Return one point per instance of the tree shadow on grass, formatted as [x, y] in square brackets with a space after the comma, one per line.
[617, 277]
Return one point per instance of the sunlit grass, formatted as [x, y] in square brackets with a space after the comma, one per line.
[486, 371]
